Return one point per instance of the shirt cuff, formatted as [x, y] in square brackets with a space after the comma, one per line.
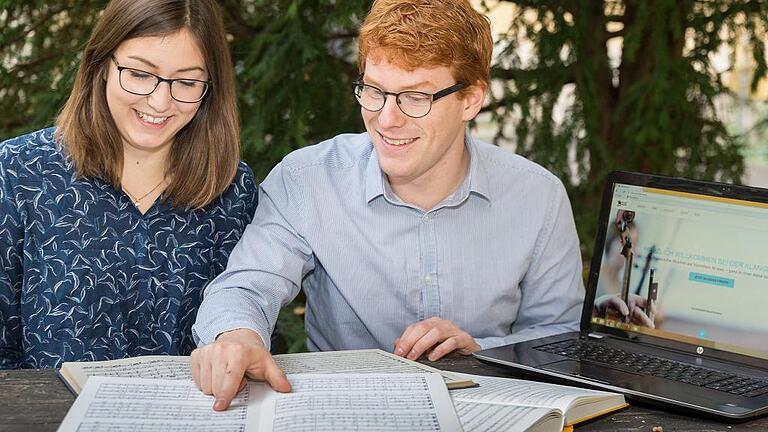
[207, 335]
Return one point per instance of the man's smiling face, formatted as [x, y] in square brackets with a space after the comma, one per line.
[422, 150]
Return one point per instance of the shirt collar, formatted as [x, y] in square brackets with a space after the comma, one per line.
[476, 181]
[374, 177]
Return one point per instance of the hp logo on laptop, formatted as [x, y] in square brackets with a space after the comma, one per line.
[699, 350]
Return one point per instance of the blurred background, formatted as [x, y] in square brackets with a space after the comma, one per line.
[672, 87]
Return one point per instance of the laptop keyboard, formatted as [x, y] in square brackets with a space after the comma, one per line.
[653, 366]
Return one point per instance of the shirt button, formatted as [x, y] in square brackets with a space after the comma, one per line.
[427, 278]
[425, 218]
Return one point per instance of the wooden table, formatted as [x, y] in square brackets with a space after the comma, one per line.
[36, 400]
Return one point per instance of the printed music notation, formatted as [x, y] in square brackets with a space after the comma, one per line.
[317, 402]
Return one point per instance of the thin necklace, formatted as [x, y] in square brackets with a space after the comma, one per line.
[135, 200]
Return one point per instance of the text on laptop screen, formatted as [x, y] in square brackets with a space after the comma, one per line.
[697, 270]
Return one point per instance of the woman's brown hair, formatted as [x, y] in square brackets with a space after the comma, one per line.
[204, 156]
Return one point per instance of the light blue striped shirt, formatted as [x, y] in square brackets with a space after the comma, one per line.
[499, 257]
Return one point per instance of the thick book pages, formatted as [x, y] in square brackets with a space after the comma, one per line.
[75, 374]
[317, 402]
[504, 404]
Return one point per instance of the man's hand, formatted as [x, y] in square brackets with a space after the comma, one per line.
[435, 336]
[220, 368]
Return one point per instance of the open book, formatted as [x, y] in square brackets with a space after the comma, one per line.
[317, 402]
[75, 374]
[504, 404]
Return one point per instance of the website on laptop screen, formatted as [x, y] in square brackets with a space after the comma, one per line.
[686, 267]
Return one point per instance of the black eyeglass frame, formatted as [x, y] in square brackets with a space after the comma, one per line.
[159, 79]
[432, 96]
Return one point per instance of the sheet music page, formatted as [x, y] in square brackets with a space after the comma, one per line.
[481, 417]
[163, 367]
[318, 402]
[355, 361]
[359, 402]
[139, 405]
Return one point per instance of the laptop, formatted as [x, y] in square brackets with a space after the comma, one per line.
[676, 307]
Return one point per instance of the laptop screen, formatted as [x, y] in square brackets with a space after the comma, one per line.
[685, 267]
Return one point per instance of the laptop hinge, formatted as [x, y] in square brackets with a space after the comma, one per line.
[596, 335]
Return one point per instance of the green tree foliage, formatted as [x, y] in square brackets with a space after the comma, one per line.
[651, 109]
[295, 62]
[40, 44]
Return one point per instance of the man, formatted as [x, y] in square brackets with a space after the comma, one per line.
[412, 237]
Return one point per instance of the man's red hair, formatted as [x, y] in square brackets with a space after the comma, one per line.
[429, 33]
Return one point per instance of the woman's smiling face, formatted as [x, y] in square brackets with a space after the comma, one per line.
[151, 122]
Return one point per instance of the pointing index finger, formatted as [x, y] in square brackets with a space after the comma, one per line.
[228, 383]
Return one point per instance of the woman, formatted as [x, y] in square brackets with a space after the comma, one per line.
[112, 222]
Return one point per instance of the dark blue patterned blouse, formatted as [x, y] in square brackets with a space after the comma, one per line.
[85, 276]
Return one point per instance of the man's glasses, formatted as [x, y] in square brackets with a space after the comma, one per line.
[414, 104]
[143, 83]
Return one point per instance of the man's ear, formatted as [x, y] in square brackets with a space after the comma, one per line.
[474, 96]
